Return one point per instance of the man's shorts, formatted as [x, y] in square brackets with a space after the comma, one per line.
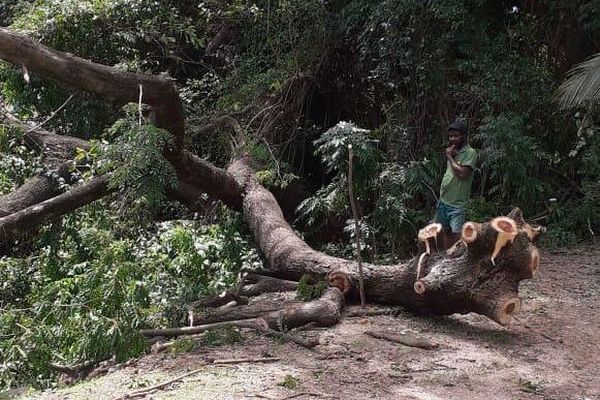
[450, 216]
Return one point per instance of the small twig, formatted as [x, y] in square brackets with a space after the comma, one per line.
[251, 323]
[52, 115]
[310, 394]
[230, 361]
[407, 340]
[140, 105]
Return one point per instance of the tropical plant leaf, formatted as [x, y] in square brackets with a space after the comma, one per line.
[582, 88]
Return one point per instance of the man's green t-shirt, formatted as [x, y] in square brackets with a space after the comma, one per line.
[456, 191]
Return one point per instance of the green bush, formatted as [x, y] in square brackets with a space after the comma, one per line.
[86, 292]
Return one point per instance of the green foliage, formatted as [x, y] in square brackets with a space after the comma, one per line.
[479, 209]
[511, 160]
[183, 346]
[134, 35]
[308, 291]
[282, 38]
[582, 88]
[17, 162]
[9, 9]
[136, 161]
[85, 292]
[332, 147]
[290, 382]
[274, 173]
[385, 191]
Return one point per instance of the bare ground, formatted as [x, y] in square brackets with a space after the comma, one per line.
[551, 352]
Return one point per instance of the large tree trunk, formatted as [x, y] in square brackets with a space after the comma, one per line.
[464, 281]
[56, 152]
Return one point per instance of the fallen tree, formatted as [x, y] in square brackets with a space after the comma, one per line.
[480, 274]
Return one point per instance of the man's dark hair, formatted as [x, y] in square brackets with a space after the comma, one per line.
[459, 125]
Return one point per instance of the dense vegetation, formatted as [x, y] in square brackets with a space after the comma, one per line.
[287, 73]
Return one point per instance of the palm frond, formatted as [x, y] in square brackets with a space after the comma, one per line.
[582, 87]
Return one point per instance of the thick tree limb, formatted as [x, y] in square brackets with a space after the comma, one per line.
[254, 285]
[324, 311]
[205, 177]
[26, 219]
[159, 93]
[33, 191]
[56, 151]
[253, 310]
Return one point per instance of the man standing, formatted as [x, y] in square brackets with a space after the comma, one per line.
[455, 189]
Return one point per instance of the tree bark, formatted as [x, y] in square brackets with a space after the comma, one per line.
[253, 310]
[56, 151]
[324, 311]
[159, 93]
[26, 219]
[254, 285]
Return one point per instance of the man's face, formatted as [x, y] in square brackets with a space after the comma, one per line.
[456, 138]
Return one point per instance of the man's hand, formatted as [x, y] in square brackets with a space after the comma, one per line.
[451, 152]
[460, 171]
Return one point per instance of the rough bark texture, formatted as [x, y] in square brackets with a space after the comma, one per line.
[324, 311]
[159, 93]
[253, 310]
[205, 177]
[253, 285]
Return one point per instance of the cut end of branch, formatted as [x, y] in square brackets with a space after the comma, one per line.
[430, 231]
[507, 231]
[505, 225]
[420, 287]
[339, 280]
[470, 231]
[532, 233]
[506, 310]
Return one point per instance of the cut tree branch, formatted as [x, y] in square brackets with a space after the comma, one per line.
[56, 151]
[26, 219]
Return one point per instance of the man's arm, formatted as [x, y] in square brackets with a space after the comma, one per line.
[462, 172]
